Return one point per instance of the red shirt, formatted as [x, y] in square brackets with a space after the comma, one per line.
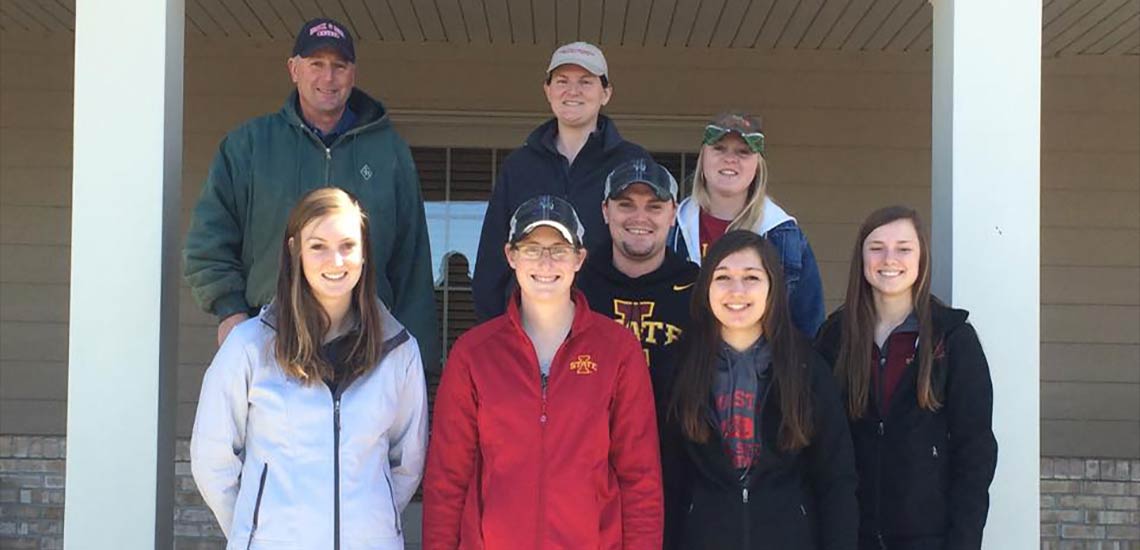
[711, 230]
[576, 464]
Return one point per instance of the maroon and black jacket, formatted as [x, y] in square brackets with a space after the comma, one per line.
[924, 476]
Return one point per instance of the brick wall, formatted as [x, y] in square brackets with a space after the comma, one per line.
[1089, 504]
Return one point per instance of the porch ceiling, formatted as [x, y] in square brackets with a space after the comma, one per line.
[1070, 27]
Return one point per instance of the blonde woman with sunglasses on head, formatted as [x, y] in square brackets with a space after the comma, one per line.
[730, 191]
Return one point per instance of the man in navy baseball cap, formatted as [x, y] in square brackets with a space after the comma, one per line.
[328, 133]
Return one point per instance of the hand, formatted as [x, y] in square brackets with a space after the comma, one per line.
[228, 324]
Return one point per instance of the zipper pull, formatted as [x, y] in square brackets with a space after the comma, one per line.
[744, 494]
[542, 417]
[934, 451]
[336, 414]
[803, 511]
[880, 427]
[328, 153]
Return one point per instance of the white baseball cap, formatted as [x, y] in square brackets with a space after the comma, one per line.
[583, 54]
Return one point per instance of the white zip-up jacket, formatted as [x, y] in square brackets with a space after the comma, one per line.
[286, 465]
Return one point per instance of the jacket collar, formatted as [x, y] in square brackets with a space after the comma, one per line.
[542, 138]
[582, 317]
[392, 329]
[368, 111]
[689, 225]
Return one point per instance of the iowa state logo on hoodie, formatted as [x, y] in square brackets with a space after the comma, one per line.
[638, 317]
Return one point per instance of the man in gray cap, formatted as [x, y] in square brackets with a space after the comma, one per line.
[329, 133]
[568, 156]
[637, 280]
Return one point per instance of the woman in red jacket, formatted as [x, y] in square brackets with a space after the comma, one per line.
[544, 433]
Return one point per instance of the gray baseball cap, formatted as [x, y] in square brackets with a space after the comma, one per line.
[641, 171]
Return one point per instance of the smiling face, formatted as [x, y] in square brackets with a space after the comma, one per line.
[544, 264]
[324, 81]
[332, 257]
[639, 222]
[891, 259]
[738, 296]
[729, 166]
[576, 96]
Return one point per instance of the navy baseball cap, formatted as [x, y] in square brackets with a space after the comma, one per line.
[550, 211]
[323, 33]
[641, 171]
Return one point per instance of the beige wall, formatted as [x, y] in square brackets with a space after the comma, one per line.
[848, 133]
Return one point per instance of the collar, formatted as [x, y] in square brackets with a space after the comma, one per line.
[581, 312]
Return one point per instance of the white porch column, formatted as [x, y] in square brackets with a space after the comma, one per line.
[127, 164]
[986, 219]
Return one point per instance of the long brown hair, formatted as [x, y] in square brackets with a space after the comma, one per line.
[854, 362]
[300, 319]
[695, 373]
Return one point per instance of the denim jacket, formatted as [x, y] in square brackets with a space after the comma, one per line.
[801, 274]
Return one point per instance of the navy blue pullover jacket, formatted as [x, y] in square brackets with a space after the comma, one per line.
[537, 168]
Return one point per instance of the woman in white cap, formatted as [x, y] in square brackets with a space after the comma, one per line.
[568, 156]
[544, 433]
[730, 191]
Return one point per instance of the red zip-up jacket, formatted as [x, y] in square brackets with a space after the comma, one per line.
[511, 466]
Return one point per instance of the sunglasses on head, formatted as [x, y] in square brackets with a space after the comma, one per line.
[714, 133]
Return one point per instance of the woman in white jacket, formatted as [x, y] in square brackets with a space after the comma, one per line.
[311, 424]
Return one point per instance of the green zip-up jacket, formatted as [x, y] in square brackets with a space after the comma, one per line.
[264, 167]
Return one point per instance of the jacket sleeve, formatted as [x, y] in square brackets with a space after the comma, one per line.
[831, 464]
[635, 453]
[409, 266]
[489, 282]
[217, 443]
[212, 256]
[452, 454]
[676, 476]
[407, 436]
[806, 299]
[973, 447]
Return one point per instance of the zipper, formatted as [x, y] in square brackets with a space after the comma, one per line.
[881, 387]
[336, 468]
[392, 495]
[257, 503]
[328, 165]
[542, 418]
[934, 451]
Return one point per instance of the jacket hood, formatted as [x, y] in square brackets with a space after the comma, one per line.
[368, 110]
[674, 268]
[688, 222]
[607, 130]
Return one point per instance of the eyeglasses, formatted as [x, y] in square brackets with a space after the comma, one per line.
[533, 252]
[755, 140]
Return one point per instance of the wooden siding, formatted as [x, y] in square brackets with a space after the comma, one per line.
[849, 132]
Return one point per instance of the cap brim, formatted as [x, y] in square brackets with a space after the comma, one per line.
[327, 44]
[562, 229]
[658, 192]
[592, 69]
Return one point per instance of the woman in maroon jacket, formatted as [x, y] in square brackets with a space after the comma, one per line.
[544, 433]
[918, 395]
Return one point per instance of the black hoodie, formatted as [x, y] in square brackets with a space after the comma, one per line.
[655, 306]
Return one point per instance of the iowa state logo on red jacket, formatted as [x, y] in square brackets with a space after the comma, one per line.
[583, 365]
